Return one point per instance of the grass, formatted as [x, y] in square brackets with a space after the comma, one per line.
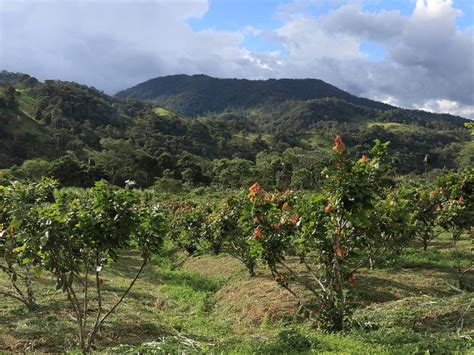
[160, 111]
[27, 104]
[391, 125]
[251, 137]
[209, 304]
[20, 122]
[314, 140]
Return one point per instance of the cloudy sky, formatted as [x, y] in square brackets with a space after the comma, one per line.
[411, 53]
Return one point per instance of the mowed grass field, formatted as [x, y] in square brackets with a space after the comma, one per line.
[209, 304]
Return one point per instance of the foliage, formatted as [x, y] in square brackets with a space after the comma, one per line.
[19, 223]
[199, 94]
[228, 228]
[272, 131]
[425, 207]
[348, 219]
[80, 236]
[455, 189]
[188, 223]
[272, 221]
[316, 244]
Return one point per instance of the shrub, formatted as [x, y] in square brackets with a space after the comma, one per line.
[188, 222]
[455, 189]
[79, 237]
[18, 223]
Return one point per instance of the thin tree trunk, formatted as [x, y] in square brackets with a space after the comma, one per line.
[99, 322]
[29, 289]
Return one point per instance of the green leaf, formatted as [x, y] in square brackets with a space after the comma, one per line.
[15, 223]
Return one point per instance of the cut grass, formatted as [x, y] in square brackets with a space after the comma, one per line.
[209, 304]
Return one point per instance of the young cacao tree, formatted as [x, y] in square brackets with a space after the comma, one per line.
[79, 238]
[235, 232]
[332, 231]
[425, 209]
[19, 222]
[188, 226]
[455, 189]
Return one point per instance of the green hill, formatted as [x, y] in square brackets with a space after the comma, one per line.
[267, 130]
[199, 95]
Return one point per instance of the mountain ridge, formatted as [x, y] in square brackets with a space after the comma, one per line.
[199, 94]
[257, 91]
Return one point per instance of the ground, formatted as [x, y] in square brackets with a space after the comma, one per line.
[209, 304]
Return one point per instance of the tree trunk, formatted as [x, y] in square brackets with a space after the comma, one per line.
[29, 290]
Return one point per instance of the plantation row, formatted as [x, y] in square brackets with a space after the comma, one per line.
[312, 243]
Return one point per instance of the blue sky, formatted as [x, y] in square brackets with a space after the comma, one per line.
[237, 15]
[233, 15]
[409, 53]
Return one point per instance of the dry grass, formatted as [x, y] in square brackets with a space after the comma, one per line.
[246, 301]
[379, 286]
[253, 301]
[221, 266]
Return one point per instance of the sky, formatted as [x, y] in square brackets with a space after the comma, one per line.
[409, 53]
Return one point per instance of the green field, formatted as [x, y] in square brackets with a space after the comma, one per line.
[387, 124]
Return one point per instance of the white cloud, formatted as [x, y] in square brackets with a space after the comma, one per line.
[113, 44]
[303, 38]
[448, 106]
[428, 58]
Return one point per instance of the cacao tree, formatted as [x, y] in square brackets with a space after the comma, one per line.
[19, 222]
[331, 231]
[188, 226]
[425, 207]
[80, 237]
[455, 190]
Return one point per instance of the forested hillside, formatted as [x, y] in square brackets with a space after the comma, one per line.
[199, 95]
[279, 131]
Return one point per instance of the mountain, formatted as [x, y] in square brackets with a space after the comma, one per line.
[45, 119]
[52, 120]
[199, 95]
